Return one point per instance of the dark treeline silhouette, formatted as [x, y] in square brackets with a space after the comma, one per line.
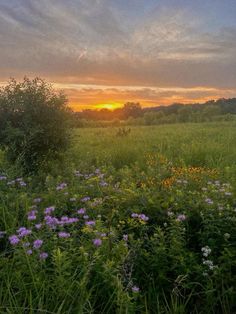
[133, 114]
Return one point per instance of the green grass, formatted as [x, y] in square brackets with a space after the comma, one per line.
[182, 177]
[210, 145]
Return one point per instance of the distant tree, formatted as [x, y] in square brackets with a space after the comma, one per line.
[33, 122]
[132, 109]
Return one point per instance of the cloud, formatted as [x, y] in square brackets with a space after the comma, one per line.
[88, 96]
[156, 44]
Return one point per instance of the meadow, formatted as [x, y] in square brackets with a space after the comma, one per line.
[133, 220]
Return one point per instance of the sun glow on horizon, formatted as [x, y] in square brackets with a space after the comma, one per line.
[110, 105]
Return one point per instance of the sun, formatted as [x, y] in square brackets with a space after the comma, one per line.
[110, 106]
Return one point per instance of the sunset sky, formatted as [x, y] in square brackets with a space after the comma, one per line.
[103, 53]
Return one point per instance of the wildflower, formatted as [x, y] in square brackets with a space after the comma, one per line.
[103, 235]
[206, 251]
[3, 178]
[134, 215]
[209, 264]
[90, 223]
[29, 252]
[208, 201]
[78, 174]
[103, 183]
[63, 235]
[11, 182]
[125, 237]
[97, 242]
[85, 199]
[43, 255]
[49, 210]
[135, 289]
[61, 186]
[143, 217]
[22, 232]
[86, 217]
[81, 211]
[26, 244]
[51, 221]
[14, 240]
[22, 183]
[32, 215]
[2, 234]
[73, 199]
[37, 244]
[228, 193]
[38, 226]
[67, 220]
[181, 217]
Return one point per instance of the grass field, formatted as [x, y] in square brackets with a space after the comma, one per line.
[210, 145]
[140, 223]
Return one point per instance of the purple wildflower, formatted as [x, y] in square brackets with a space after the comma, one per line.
[85, 199]
[3, 178]
[38, 226]
[97, 242]
[61, 186]
[49, 210]
[37, 244]
[14, 240]
[26, 244]
[23, 232]
[181, 217]
[29, 252]
[134, 215]
[143, 217]
[135, 289]
[51, 221]
[81, 211]
[63, 235]
[43, 255]
[90, 223]
[32, 216]
[208, 201]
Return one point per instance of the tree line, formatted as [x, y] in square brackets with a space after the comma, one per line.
[133, 114]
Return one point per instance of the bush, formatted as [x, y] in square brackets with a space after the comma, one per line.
[33, 122]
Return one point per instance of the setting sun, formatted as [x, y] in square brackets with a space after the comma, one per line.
[110, 106]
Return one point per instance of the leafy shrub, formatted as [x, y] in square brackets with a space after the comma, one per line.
[33, 122]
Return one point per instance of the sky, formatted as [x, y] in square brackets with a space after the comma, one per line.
[104, 53]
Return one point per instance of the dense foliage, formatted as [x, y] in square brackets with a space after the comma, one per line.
[121, 228]
[134, 114]
[33, 122]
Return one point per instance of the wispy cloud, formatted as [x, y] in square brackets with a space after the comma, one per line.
[167, 44]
